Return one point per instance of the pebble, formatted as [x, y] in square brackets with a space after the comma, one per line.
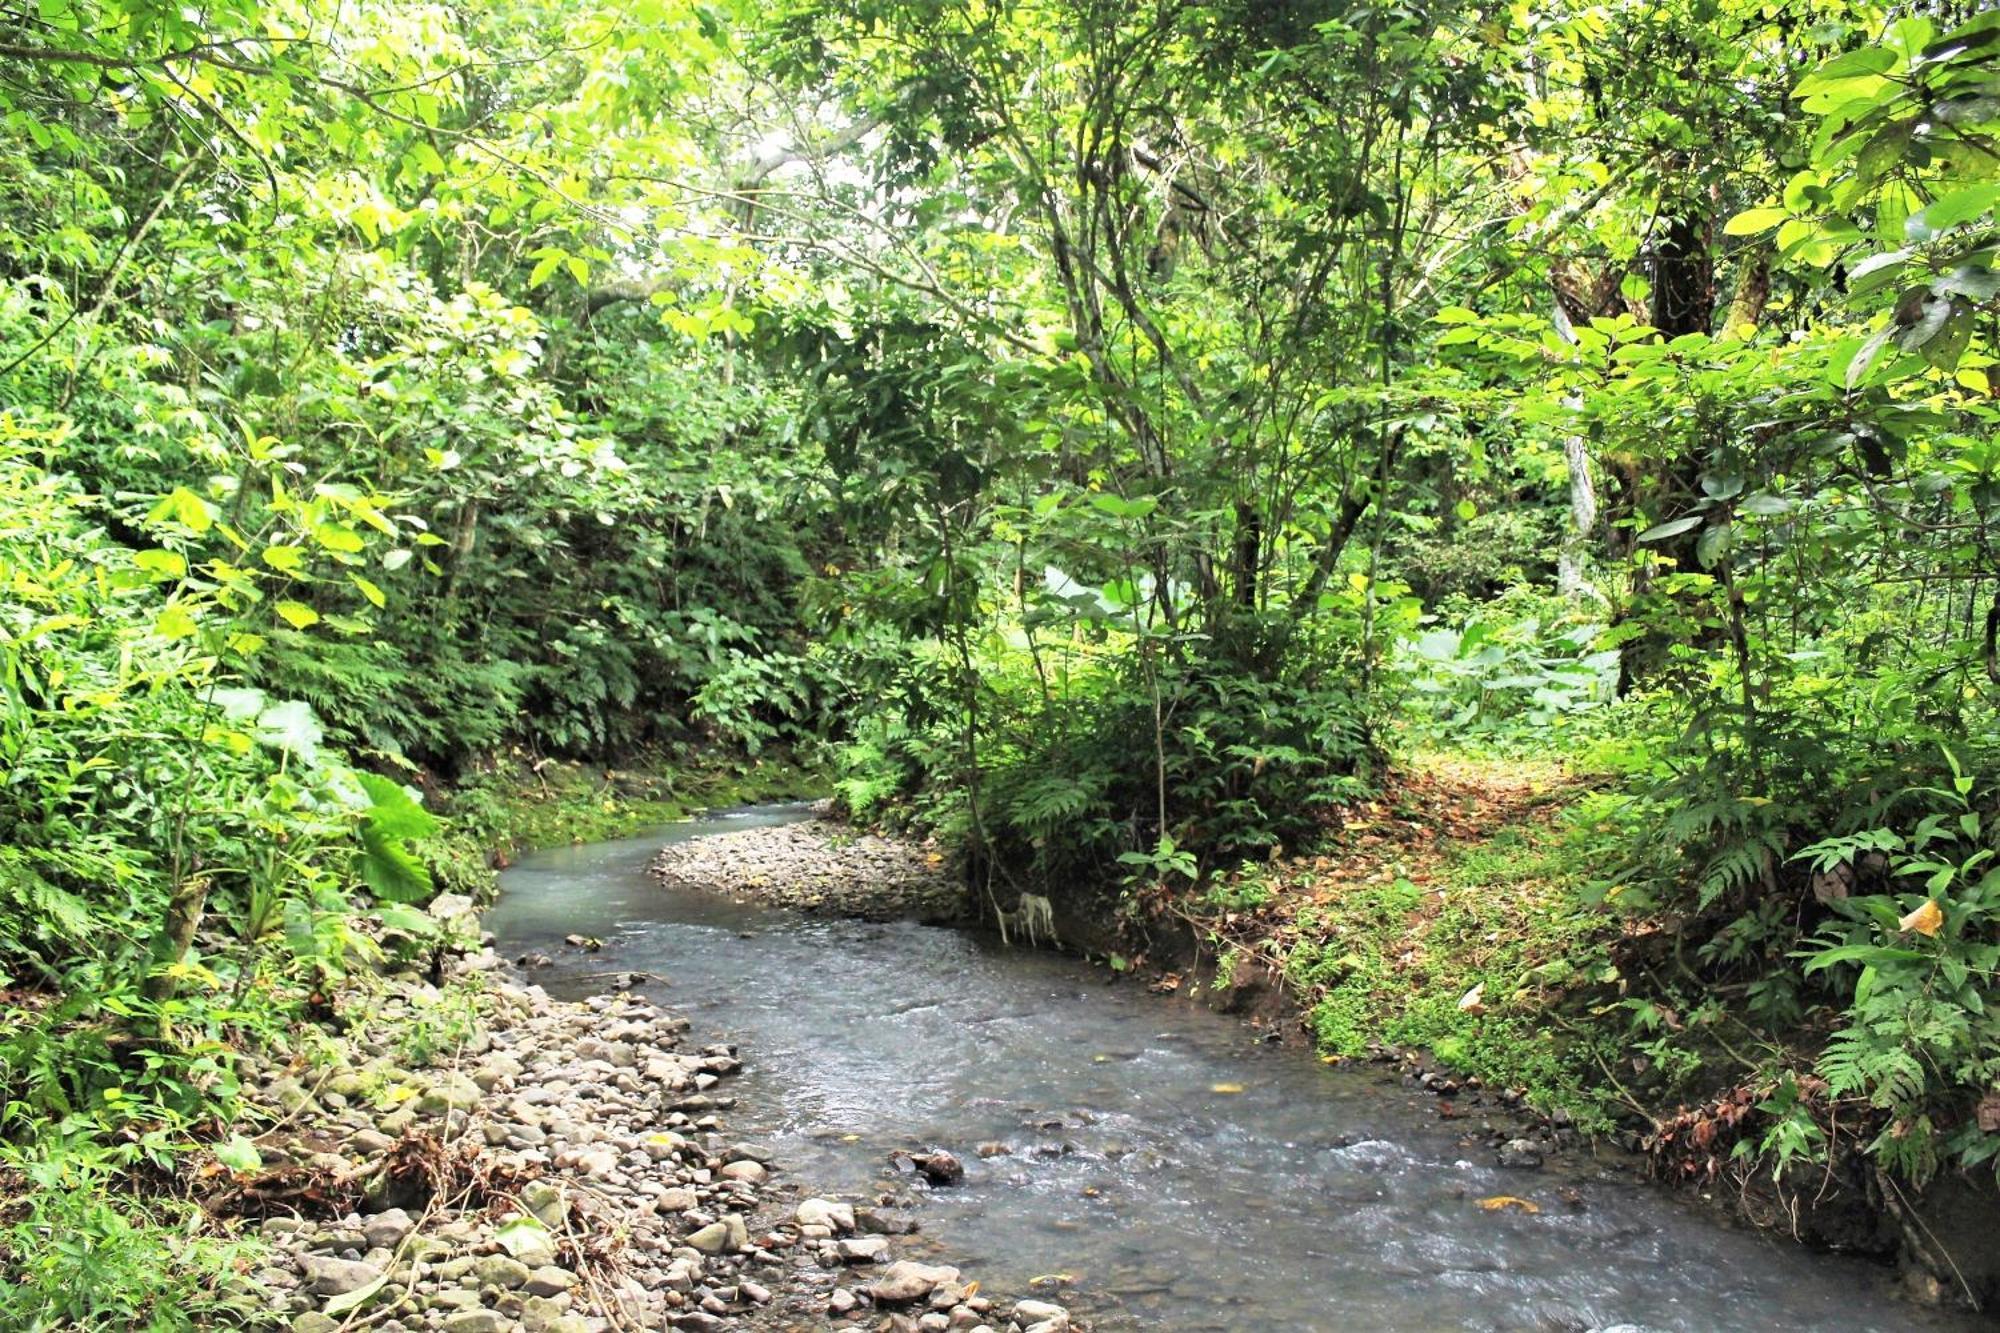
[818, 866]
[597, 1132]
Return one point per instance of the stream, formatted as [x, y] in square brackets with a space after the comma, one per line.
[1314, 1198]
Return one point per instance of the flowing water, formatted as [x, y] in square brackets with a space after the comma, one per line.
[1311, 1199]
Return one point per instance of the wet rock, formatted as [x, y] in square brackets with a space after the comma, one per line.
[937, 1165]
[835, 1217]
[1041, 1315]
[1520, 1154]
[906, 1281]
[863, 1250]
[719, 1237]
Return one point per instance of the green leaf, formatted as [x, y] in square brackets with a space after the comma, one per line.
[369, 590]
[426, 157]
[297, 614]
[1754, 221]
[1876, 271]
[1659, 532]
[1713, 545]
[1854, 64]
[284, 559]
[184, 507]
[337, 537]
[1960, 206]
[1119, 507]
[175, 621]
[160, 564]
[1872, 954]
[239, 1154]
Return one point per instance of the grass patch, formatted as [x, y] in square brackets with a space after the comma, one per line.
[1449, 917]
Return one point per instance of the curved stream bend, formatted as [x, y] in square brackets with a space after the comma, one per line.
[1314, 1199]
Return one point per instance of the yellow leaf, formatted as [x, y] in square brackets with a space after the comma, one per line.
[1502, 1202]
[1225, 1087]
[369, 590]
[1926, 920]
[297, 614]
[174, 622]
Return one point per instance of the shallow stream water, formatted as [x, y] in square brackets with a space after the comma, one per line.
[1314, 1198]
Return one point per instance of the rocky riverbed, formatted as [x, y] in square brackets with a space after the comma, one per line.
[472, 1156]
[819, 866]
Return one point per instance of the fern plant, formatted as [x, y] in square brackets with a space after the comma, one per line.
[1915, 969]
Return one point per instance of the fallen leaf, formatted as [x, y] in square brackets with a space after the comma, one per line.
[1926, 920]
[1225, 1087]
[1472, 1001]
[1500, 1203]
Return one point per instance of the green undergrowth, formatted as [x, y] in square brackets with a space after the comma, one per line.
[1480, 967]
[1452, 919]
[511, 804]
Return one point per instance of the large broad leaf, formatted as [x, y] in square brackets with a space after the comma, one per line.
[393, 819]
[1660, 532]
[291, 726]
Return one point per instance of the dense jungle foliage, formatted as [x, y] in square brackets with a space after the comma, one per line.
[1113, 436]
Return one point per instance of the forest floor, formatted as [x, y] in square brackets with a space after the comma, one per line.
[1442, 918]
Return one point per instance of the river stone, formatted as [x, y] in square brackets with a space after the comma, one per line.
[475, 1321]
[1521, 1154]
[456, 912]
[337, 1277]
[750, 1173]
[715, 1238]
[385, 1231]
[497, 1270]
[905, 1281]
[826, 1213]
[312, 1321]
[549, 1280]
[545, 1200]
[538, 1312]
[864, 1250]
[453, 1092]
[1040, 1314]
[531, 1245]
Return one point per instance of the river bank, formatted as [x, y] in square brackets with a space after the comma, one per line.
[1150, 1166]
[1447, 949]
[468, 1155]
